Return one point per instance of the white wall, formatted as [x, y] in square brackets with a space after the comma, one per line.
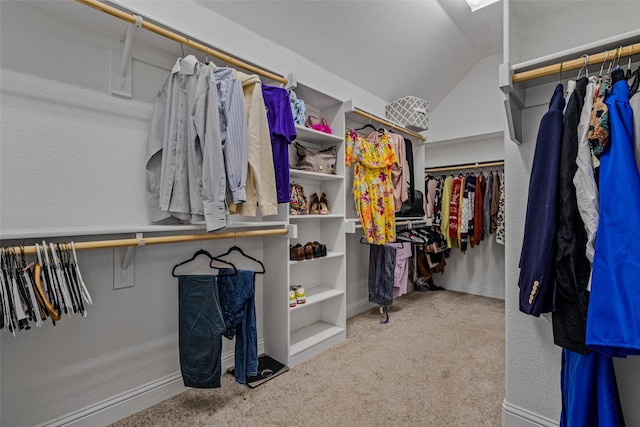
[473, 107]
[73, 156]
[533, 361]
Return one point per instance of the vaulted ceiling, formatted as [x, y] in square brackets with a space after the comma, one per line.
[389, 48]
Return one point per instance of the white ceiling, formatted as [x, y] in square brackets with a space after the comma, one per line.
[389, 48]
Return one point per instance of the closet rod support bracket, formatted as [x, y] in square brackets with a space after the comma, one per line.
[124, 265]
[121, 83]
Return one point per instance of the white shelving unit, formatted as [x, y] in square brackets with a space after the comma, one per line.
[293, 335]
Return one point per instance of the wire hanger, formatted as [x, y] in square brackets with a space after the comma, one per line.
[584, 67]
[606, 56]
[211, 257]
[238, 249]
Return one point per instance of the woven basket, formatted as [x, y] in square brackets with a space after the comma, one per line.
[410, 112]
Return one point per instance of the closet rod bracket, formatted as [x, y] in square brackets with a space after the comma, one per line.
[124, 265]
[513, 102]
[121, 83]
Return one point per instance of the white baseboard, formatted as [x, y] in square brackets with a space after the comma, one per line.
[135, 400]
[359, 307]
[471, 289]
[515, 416]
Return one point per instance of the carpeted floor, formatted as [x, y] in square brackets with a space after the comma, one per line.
[439, 362]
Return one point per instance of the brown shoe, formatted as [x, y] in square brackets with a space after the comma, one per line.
[297, 253]
[309, 251]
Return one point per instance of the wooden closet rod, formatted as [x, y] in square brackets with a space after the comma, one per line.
[143, 241]
[574, 64]
[469, 166]
[182, 40]
[388, 124]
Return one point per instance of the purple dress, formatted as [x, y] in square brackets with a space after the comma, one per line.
[283, 132]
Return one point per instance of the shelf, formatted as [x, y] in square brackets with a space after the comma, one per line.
[316, 295]
[308, 336]
[330, 254]
[306, 217]
[315, 136]
[296, 173]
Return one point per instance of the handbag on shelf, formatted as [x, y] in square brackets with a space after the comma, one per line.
[297, 200]
[323, 161]
[413, 206]
[298, 108]
[318, 123]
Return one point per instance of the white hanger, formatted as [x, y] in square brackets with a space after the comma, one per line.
[5, 302]
[85, 291]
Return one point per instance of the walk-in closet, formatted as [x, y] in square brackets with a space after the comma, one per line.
[318, 213]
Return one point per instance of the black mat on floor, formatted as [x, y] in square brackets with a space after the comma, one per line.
[268, 368]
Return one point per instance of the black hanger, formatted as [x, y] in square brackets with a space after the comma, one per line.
[368, 125]
[203, 252]
[238, 249]
[634, 86]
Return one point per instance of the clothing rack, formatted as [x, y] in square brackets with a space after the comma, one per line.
[469, 166]
[574, 64]
[388, 124]
[140, 241]
[133, 19]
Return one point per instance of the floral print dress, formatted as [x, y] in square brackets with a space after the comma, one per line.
[372, 158]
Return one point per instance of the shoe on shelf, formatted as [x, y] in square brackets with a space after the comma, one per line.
[300, 295]
[292, 299]
[323, 205]
[322, 248]
[297, 252]
[313, 204]
[310, 251]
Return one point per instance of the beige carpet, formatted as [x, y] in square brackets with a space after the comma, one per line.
[439, 362]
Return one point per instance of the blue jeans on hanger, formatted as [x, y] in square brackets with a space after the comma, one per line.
[200, 331]
[237, 299]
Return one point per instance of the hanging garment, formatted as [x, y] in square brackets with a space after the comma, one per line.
[613, 324]
[584, 179]
[431, 186]
[537, 266]
[634, 102]
[571, 264]
[454, 209]
[466, 214]
[237, 301]
[486, 206]
[446, 206]
[200, 329]
[261, 180]
[283, 131]
[382, 260]
[409, 175]
[437, 208]
[495, 202]
[500, 217]
[398, 174]
[233, 132]
[372, 189]
[571, 85]
[478, 224]
[401, 268]
[185, 168]
[589, 391]
[599, 121]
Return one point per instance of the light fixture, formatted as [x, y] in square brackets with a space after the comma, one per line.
[479, 4]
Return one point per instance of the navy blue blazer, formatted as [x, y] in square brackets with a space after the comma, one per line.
[537, 272]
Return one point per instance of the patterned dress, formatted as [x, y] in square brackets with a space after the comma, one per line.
[372, 186]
